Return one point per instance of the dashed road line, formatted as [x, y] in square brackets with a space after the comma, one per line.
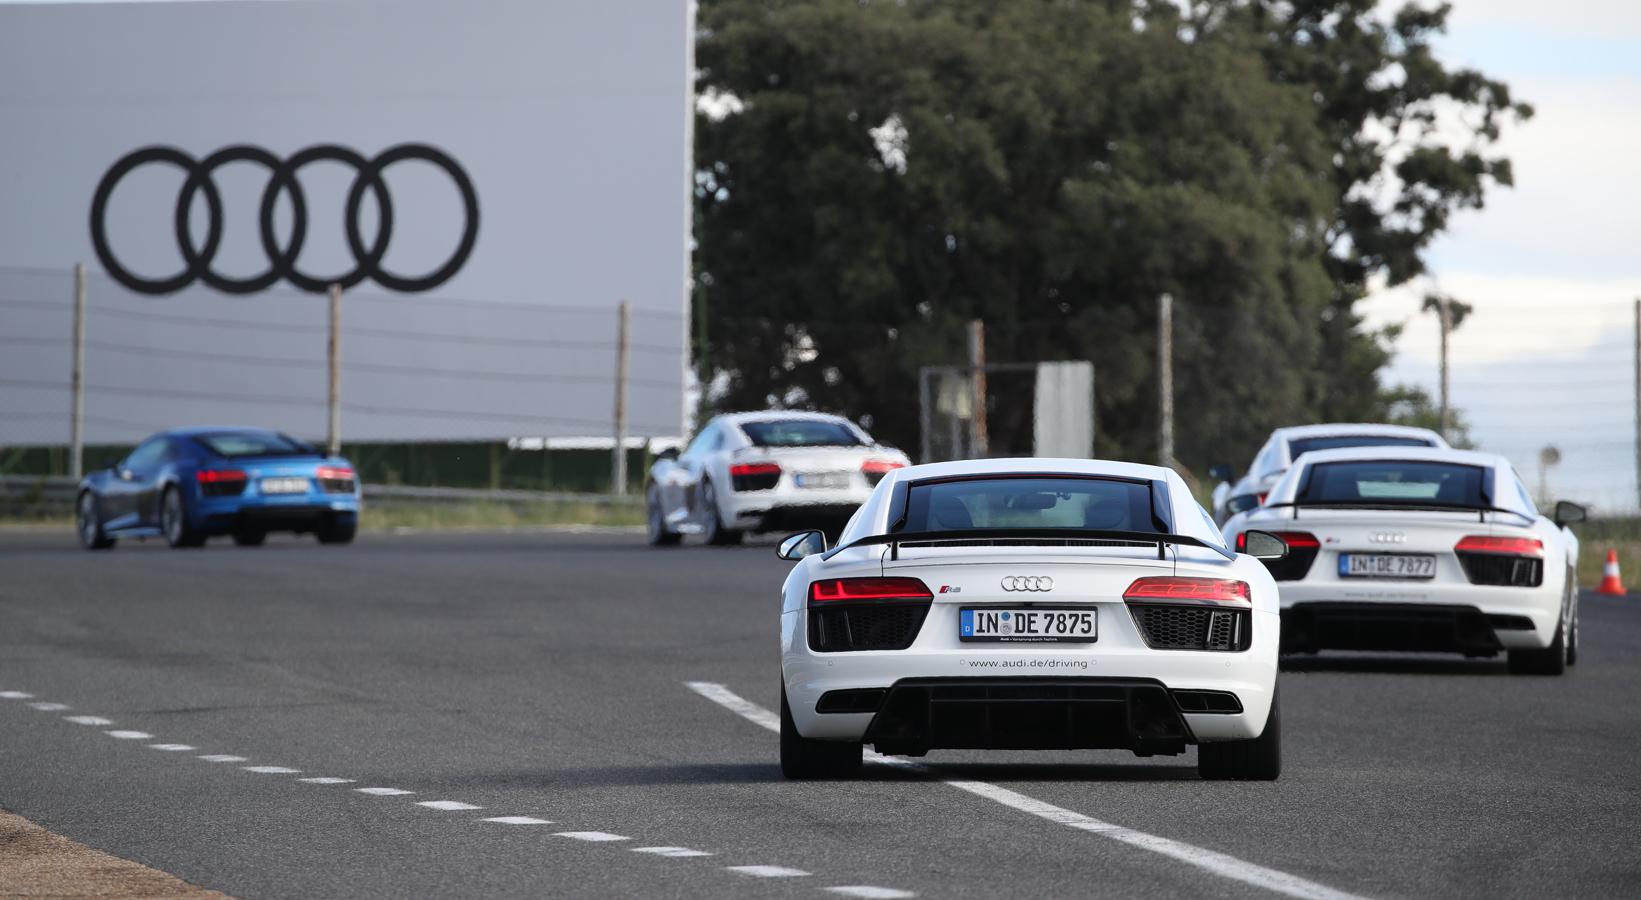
[1212, 861]
[671, 852]
[172, 747]
[767, 871]
[516, 820]
[326, 779]
[384, 791]
[271, 770]
[88, 720]
[595, 836]
[871, 892]
[446, 804]
[50, 707]
[224, 758]
[130, 735]
[16, 695]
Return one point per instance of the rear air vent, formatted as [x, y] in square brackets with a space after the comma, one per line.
[874, 625]
[1508, 571]
[1207, 702]
[861, 700]
[1167, 627]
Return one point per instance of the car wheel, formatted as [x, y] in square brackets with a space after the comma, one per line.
[1551, 660]
[174, 521]
[1259, 759]
[250, 538]
[804, 759]
[1572, 637]
[337, 532]
[712, 527]
[89, 524]
[655, 522]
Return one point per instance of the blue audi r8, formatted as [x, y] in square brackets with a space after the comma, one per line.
[190, 484]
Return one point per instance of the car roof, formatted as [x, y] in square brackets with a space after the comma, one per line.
[197, 430]
[779, 414]
[1330, 429]
[1029, 466]
[1423, 454]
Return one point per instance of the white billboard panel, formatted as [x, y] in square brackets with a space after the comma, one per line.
[487, 180]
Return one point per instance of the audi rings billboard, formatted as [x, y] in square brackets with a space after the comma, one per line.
[485, 181]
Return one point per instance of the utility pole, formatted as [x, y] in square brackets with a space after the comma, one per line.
[979, 440]
[76, 423]
[1165, 380]
[618, 461]
[1444, 310]
[333, 349]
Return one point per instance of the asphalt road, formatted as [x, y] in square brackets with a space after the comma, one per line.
[546, 676]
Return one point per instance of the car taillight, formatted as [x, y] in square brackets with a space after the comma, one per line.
[218, 476]
[1188, 589]
[880, 466]
[1296, 540]
[744, 470]
[834, 589]
[1502, 546]
[335, 473]
[1261, 498]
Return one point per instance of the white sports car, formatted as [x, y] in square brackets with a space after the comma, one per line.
[764, 471]
[1288, 444]
[1415, 549]
[1029, 604]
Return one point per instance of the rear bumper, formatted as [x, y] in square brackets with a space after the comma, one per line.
[789, 516]
[302, 515]
[1415, 616]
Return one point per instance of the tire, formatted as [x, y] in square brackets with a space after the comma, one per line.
[250, 538]
[337, 532]
[89, 524]
[1551, 660]
[655, 523]
[712, 527]
[174, 521]
[803, 759]
[1572, 637]
[1259, 759]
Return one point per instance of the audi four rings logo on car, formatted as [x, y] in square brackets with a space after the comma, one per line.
[1388, 537]
[1028, 583]
[282, 178]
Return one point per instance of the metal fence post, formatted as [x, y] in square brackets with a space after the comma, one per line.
[333, 434]
[76, 427]
[618, 459]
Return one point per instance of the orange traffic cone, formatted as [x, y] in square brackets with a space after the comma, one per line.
[1610, 582]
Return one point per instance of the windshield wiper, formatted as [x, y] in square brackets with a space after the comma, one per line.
[895, 539]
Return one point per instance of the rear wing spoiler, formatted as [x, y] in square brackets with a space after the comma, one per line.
[895, 539]
[1480, 511]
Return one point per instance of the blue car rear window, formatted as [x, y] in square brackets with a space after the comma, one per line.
[236, 444]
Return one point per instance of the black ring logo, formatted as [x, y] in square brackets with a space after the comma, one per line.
[282, 177]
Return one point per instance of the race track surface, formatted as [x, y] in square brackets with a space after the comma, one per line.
[546, 679]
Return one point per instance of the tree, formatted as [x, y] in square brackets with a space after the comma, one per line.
[873, 174]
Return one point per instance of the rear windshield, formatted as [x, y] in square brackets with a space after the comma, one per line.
[1297, 447]
[800, 433]
[233, 444]
[1050, 502]
[1394, 482]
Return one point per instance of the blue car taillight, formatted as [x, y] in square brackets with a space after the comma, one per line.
[336, 479]
[220, 482]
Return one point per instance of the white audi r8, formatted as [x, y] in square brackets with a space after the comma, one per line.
[764, 471]
[1288, 444]
[1029, 604]
[1415, 549]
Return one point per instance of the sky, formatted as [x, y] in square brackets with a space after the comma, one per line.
[1548, 356]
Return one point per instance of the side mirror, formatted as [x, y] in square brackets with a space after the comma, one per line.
[121, 472]
[804, 543]
[1221, 472]
[1264, 546]
[669, 453]
[1569, 513]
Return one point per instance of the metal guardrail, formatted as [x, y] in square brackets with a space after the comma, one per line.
[59, 491]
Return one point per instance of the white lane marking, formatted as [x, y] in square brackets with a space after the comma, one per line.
[222, 758]
[326, 779]
[271, 770]
[516, 820]
[51, 707]
[592, 835]
[768, 871]
[671, 852]
[1221, 864]
[384, 792]
[129, 735]
[16, 695]
[447, 804]
[172, 747]
[870, 892]
[88, 720]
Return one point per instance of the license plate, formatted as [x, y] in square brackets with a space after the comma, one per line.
[1386, 565]
[1027, 625]
[822, 479]
[284, 486]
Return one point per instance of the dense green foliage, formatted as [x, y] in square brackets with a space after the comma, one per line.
[871, 175]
